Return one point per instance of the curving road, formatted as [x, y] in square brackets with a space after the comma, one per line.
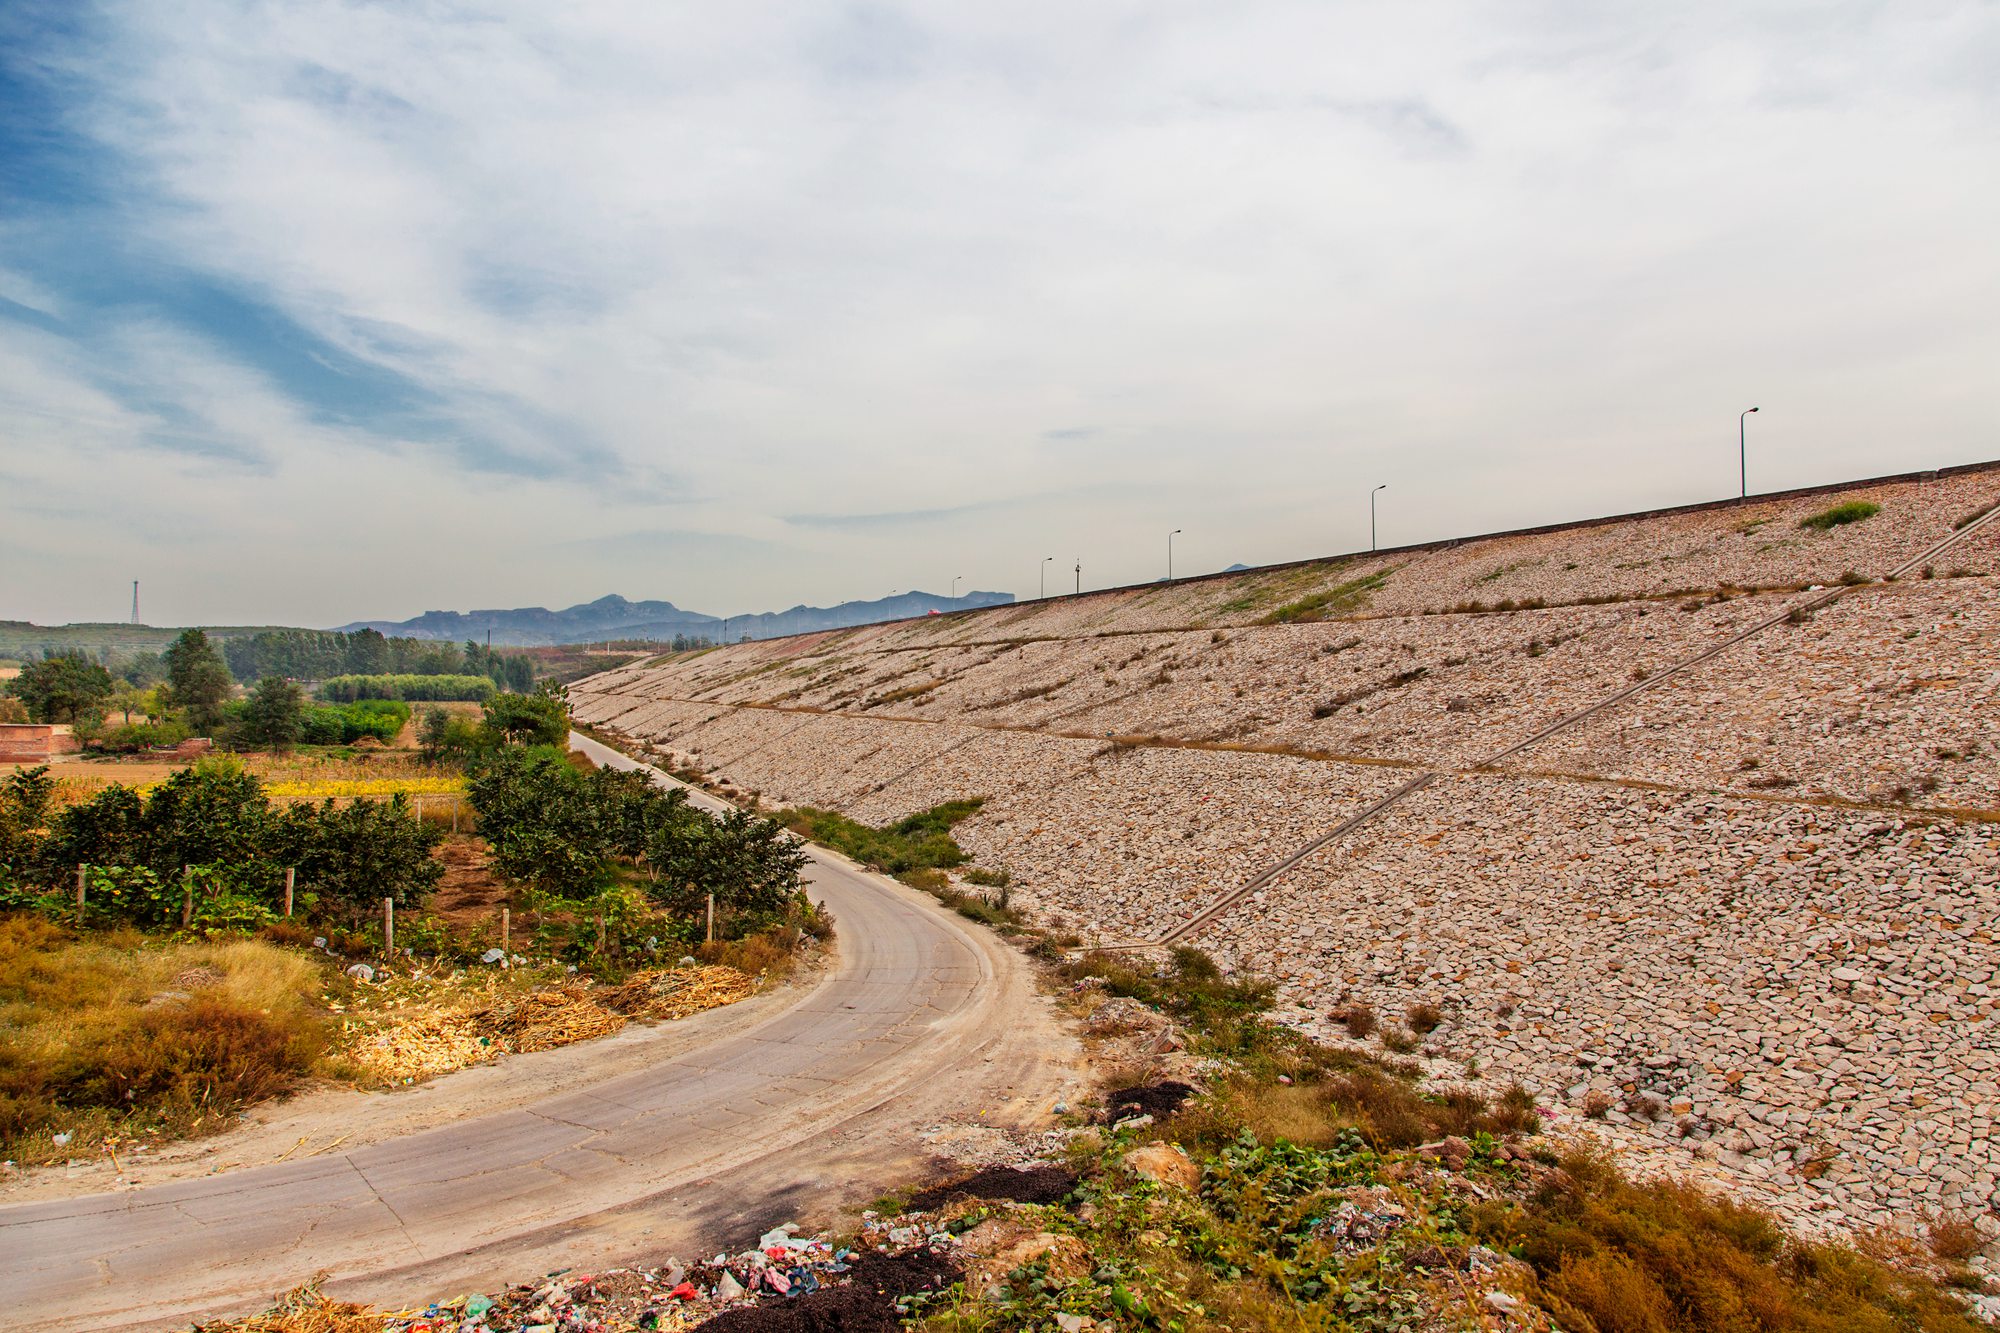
[919, 1017]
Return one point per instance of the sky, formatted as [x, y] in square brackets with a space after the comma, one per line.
[321, 310]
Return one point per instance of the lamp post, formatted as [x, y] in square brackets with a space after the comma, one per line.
[1045, 575]
[1371, 514]
[954, 585]
[1079, 576]
[1170, 553]
[1742, 455]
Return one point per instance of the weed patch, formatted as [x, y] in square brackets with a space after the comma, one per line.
[921, 841]
[1342, 597]
[1851, 511]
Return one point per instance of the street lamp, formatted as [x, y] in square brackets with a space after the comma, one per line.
[1170, 553]
[1371, 514]
[1079, 576]
[954, 585]
[1742, 455]
[1045, 575]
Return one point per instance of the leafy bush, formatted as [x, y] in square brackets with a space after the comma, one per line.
[409, 688]
[216, 818]
[541, 718]
[131, 737]
[356, 855]
[1850, 511]
[343, 724]
[921, 841]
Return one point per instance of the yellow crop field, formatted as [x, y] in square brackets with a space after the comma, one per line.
[319, 789]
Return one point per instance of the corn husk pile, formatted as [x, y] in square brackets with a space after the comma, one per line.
[417, 1046]
[678, 993]
[303, 1310]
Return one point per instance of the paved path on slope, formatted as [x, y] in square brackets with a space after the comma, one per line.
[920, 1017]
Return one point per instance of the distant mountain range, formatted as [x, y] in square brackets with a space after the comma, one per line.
[614, 617]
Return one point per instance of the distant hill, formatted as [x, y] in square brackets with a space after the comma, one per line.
[614, 617]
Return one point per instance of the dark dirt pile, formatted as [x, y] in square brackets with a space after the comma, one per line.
[1158, 1100]
[866, 1304]
[1024, 1184]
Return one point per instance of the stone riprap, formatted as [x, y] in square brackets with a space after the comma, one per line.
[1747, 913]
[1809, 997]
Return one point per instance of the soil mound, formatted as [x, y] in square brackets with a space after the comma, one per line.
[1025, 1184]
[866, 1304]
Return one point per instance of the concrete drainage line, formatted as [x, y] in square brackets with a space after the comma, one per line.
[1208, 915]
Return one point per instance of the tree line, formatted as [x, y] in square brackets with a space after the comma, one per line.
[193, 690]
[322, 654]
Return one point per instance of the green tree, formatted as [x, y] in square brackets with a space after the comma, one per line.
[753, 865]
[275, 714]
[198, 680]
[356, 855]
[214, 813]
[541, 718]
[68, 687]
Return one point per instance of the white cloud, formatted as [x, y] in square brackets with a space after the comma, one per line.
[755, 261]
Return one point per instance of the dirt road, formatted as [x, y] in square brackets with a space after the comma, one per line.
[921, 1018]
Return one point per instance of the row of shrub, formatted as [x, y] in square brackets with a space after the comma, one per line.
[407, 688]
[210, 828]
[614, 847]
[343, 724]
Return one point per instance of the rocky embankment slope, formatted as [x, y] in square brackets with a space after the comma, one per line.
[1744, 919]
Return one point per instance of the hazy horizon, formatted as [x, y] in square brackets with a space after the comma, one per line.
[313, 313]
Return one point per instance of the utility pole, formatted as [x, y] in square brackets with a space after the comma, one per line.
[1371, 514]
[1742, 455]
[1170, 553]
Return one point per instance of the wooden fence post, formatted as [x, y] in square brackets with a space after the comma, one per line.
[79, 888]
[389, 927]
[291, 873]
[711, 918]
[187, 896]
[506, 929]
[600, 932]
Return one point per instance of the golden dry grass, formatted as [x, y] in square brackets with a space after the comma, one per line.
[112, 1035]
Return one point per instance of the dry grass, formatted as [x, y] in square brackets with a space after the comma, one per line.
[1614, 1256]
[111, 1036]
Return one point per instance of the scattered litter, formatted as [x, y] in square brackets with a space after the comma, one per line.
[792, 1284]
[361, 972]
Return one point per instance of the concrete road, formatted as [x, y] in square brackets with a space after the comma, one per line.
[919, 1017]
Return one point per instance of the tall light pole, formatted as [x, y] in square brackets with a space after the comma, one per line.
[1371, 514]
[1742, 455]
[1079, 576]
[1045, 575]
[1170, 553]
[954, 585]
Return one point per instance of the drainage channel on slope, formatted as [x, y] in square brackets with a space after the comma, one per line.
[1201, 920]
